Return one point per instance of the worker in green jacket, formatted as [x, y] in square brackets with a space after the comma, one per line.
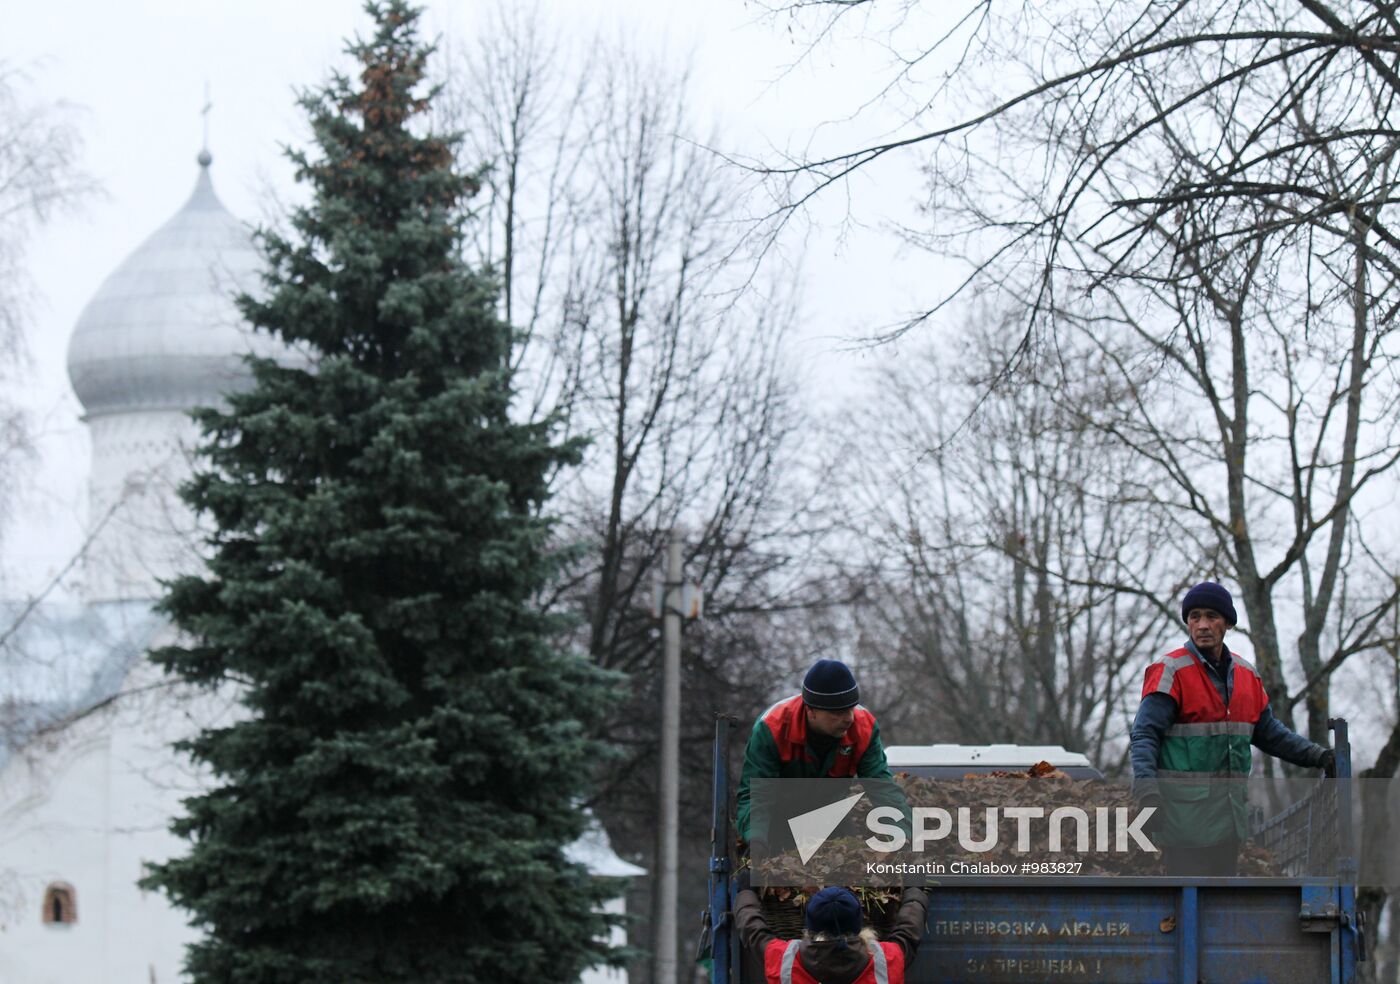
[1202, 709]
[819, 733]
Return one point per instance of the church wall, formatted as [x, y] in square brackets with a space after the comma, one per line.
[55, 830]
[139, 460]
[149, 780]
[91, 810]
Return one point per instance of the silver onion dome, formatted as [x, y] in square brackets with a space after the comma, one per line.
[162, 332]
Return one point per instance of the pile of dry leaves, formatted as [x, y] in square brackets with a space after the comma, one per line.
[1106, 805]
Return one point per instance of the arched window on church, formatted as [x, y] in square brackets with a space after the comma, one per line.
[60, 904]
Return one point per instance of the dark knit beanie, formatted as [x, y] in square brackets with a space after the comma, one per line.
[1210, 595]
[834, 911]
[830, 686]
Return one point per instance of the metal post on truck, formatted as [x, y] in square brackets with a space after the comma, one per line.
[721, 917]
[1347, 865]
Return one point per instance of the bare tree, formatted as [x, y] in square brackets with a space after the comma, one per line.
[1273, 332]
[525, 115]
[1203, 189]
[39, 177]
[1033, 64]
[609, 225]
[1006, 563]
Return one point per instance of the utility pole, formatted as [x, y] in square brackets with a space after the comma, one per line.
[674, 600]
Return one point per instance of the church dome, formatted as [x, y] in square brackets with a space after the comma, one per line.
[162, 332]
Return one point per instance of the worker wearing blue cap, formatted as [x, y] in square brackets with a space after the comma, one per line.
[836, 947]
[822, 732]
[1202, 709]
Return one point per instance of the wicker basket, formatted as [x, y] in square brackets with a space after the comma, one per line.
[785, 918]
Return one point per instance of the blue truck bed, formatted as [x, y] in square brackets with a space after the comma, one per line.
[1129, 930]
[1120, 930]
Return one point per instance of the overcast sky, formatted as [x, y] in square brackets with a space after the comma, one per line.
[136, 74]
[136, 71]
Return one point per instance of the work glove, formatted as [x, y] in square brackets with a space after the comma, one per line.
[1328, 762]
[743, 880]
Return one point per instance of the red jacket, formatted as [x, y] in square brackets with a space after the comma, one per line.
[828, 960]
[786, 721]
[1208, 741]
[782, 964]
[1183, 677]
[778, 749]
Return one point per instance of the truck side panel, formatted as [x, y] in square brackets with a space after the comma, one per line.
[1137, 933]
[1252, 935]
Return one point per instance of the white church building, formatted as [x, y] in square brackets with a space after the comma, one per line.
[88, 781]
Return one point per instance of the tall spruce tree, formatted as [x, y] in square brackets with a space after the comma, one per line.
[394, 804]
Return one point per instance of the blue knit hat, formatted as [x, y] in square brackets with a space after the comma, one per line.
[1210, 595]
[830, 686]
[834, 911]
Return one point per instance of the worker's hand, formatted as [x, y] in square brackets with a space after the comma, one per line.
[1329, 763]
[743, 879]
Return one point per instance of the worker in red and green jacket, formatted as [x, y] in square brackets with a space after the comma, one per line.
[1203, 707]
[821, 732]
[836, 947]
